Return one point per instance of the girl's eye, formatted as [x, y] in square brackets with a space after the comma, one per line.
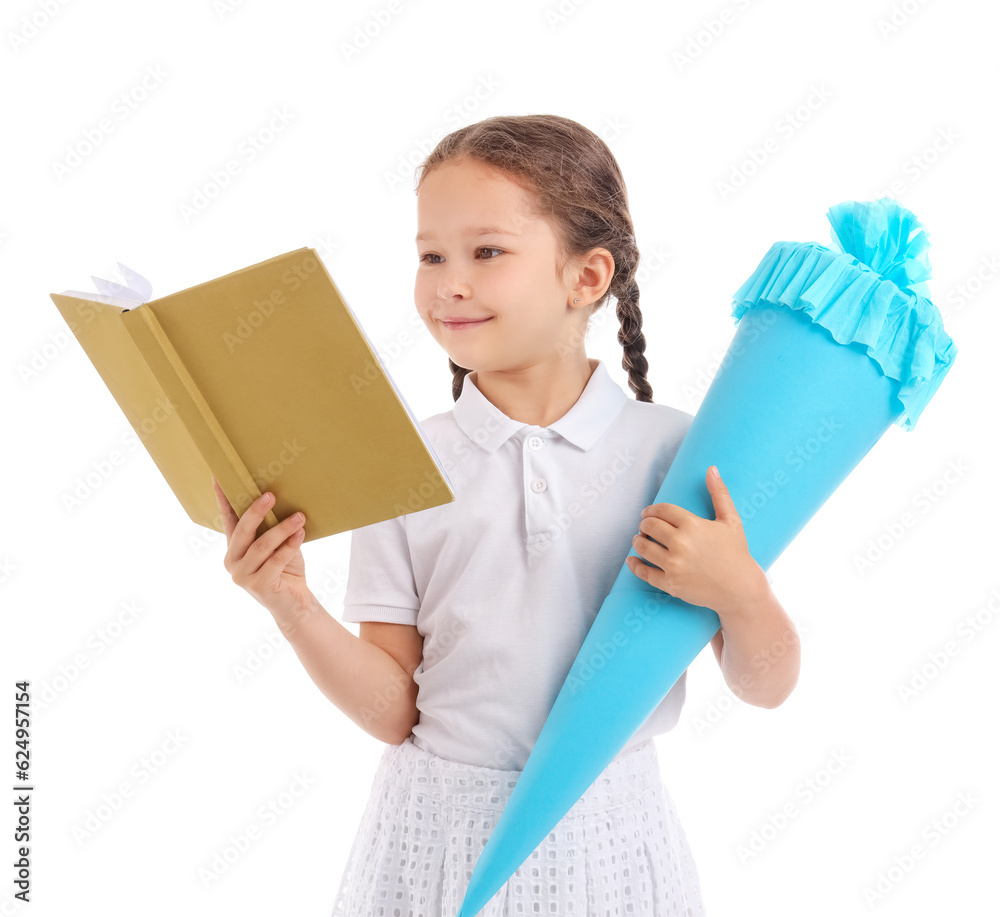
[481, 249]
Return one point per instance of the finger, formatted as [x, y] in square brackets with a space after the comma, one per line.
[636, 565]
[229, 517]
[655, 528]
[275, 563]
[260, 552]
[650, 551]
[245, 532]
[668, 512]
[722, 501]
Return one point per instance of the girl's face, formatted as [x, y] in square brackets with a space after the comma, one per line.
[483, 255]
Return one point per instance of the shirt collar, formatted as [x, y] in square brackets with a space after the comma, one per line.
[582, 425]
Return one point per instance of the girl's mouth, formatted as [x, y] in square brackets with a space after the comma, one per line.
[458, 326]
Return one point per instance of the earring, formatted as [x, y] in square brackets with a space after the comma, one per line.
[576, 300]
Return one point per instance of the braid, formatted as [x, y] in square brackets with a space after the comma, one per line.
[458, 373]
[634, 343]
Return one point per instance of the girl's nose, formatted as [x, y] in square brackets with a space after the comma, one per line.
[451, 284]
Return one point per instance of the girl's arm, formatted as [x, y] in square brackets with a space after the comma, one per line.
[757, 648]
[362, 679]
[707, 562]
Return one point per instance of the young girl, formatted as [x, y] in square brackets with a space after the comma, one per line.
[472, 613]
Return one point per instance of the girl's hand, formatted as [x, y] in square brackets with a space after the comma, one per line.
[271, 568]
[699, 561]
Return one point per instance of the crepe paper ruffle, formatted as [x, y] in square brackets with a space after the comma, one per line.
[885, 236]
[872, 292]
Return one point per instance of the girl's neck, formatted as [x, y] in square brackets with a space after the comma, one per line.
[538, 397]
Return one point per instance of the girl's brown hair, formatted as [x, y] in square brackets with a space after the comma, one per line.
[579, 188]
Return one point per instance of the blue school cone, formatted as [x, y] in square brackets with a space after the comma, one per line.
[831, 348]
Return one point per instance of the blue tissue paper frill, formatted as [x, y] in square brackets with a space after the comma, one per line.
[872, 292]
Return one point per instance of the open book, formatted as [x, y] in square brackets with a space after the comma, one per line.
[264, 379]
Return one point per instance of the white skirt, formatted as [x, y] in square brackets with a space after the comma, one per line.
[619, 852]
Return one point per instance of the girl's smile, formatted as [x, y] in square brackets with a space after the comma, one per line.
[460, 325]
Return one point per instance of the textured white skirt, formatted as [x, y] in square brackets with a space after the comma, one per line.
[619, 852]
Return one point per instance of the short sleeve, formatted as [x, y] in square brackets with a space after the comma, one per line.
[768, 575]
[380, 584]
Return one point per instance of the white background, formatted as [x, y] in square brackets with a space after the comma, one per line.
[850, 103]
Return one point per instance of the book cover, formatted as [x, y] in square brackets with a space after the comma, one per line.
[264, 379]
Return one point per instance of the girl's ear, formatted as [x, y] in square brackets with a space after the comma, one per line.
[594, 273]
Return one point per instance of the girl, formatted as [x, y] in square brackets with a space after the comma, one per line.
[472, 613]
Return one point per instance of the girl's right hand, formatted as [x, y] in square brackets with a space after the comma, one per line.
[271, 568]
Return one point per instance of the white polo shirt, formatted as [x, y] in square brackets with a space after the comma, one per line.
[504, 582]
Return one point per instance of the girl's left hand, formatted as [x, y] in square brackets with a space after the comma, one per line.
[700, 561]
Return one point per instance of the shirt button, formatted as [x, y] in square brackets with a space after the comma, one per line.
[536, 442]
[539, 485]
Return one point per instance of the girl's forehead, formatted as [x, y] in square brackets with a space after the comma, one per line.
[472, 202]
[476, 224]
[458, 178]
